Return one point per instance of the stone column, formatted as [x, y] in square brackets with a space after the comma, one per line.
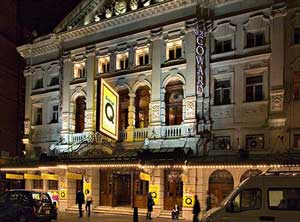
[95, 183]
[156, 58]
[131, 118]
[277, 119]
[28, 114]
[67, 77]
[191, 182]
[157, 178]
[62, 185]
[90, 123]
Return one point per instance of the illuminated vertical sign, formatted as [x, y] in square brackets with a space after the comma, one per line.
[200, 62]
[109, 110]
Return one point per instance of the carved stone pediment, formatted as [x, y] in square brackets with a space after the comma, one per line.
[224, 29]
[257, 22]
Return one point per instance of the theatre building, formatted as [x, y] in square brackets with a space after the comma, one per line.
[174, 97]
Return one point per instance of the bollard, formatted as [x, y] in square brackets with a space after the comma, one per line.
[135, 214]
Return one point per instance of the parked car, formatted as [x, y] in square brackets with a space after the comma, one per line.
[269, 197]
[26, 206]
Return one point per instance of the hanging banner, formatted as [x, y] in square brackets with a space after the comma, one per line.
[14, 176]
[74, 176]
[154, 190]
[62, 194]
[47, 176]
[109, 111]
[144, 176]
[32, 177]
[87, 186]
[188, 195]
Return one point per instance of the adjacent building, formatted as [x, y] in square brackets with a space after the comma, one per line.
[208, 94]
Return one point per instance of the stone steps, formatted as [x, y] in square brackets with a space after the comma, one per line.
[168, 214]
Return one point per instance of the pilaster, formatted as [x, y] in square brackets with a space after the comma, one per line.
[131, 118]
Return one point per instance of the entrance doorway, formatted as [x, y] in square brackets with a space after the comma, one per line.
[173, 187]
[220, 185]
[122, 190]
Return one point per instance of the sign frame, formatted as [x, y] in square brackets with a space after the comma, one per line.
[106, 90]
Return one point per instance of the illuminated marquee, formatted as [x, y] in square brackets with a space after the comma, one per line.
[109, 111]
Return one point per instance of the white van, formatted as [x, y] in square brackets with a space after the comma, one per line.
[272, 196]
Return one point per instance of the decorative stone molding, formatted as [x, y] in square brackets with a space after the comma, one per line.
[155, 111]
[27, 127]
[190, 110]
[295, 65]
[156, 34]
[224, 29]
[89, 119]
[256, 22]
[277, 98]
[278, 10]
[65, 121]
[222, 113]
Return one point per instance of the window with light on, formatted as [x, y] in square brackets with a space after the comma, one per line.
[79, 70]
[103, 64]
[142, 56]
[174, 50]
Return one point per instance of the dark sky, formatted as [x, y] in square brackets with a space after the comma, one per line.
[42, 15]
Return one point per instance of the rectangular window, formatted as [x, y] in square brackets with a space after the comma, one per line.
[142, 56]
[54, 114]
[222, 92]
[222, 143]
[296, 142]
[37, 184]
[284, 199]
[174, 50]
[122, 61]
[52, 184]
[296, 85]
[254, 88]
[297, 35]
[223, 46]
[255, 141]
[103, 64]
[255, 39]
[54, 81]
[39, 116]
[79, 70]
[39, 83]
[249, 199]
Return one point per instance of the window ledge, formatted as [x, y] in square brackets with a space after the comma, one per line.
[78, 80]
[173, 62]
[224, 105]
[256, 48]
[254, 103]
[223, 54]
[295, 45]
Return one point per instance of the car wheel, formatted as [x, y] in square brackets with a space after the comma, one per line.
[22, 219]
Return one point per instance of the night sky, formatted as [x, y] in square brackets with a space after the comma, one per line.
[41, 15]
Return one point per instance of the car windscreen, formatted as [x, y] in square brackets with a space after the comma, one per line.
[41, 197]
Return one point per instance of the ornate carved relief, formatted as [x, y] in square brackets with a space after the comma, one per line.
[65, 121]
[256, 22]
[190, 108]
[26, 127]
[222, 113]
[88, 119]
[277, 97]
[155, 111]
[224, 29]
[253, 110]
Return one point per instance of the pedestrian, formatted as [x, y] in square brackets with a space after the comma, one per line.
[150, 203]
[196, 209]
[208, 201]
[80, 201]
[89, 201]
[175, 212]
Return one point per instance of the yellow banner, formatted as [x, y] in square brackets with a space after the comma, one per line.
[32, 177]
[109, 111]
[154, 190]
[63, 194]
[74, 176]
[87, 187]
[14, 176]
[47, 176]
[188, 195]
[144, 176]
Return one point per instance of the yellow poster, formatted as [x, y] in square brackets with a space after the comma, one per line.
[188, 195]
[154, 190]
[74, 176]
[87, 187]
[14, 176]
[63, 194]
[47, 176]
[109, 110]
[144, 176]
[32, 177]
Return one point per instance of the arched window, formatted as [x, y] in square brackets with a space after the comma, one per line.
[123, 109]
[220, 185]
[249, 173]
[79, 114]
[173, 100]
[142, 100]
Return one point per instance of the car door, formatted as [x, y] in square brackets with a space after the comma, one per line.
[5, 208]
[244, 206]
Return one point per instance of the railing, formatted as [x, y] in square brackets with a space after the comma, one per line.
[140, 134]
[122, 135]
[173, 131]
[78, 137]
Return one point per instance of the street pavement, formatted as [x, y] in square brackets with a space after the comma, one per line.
[96, 217]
